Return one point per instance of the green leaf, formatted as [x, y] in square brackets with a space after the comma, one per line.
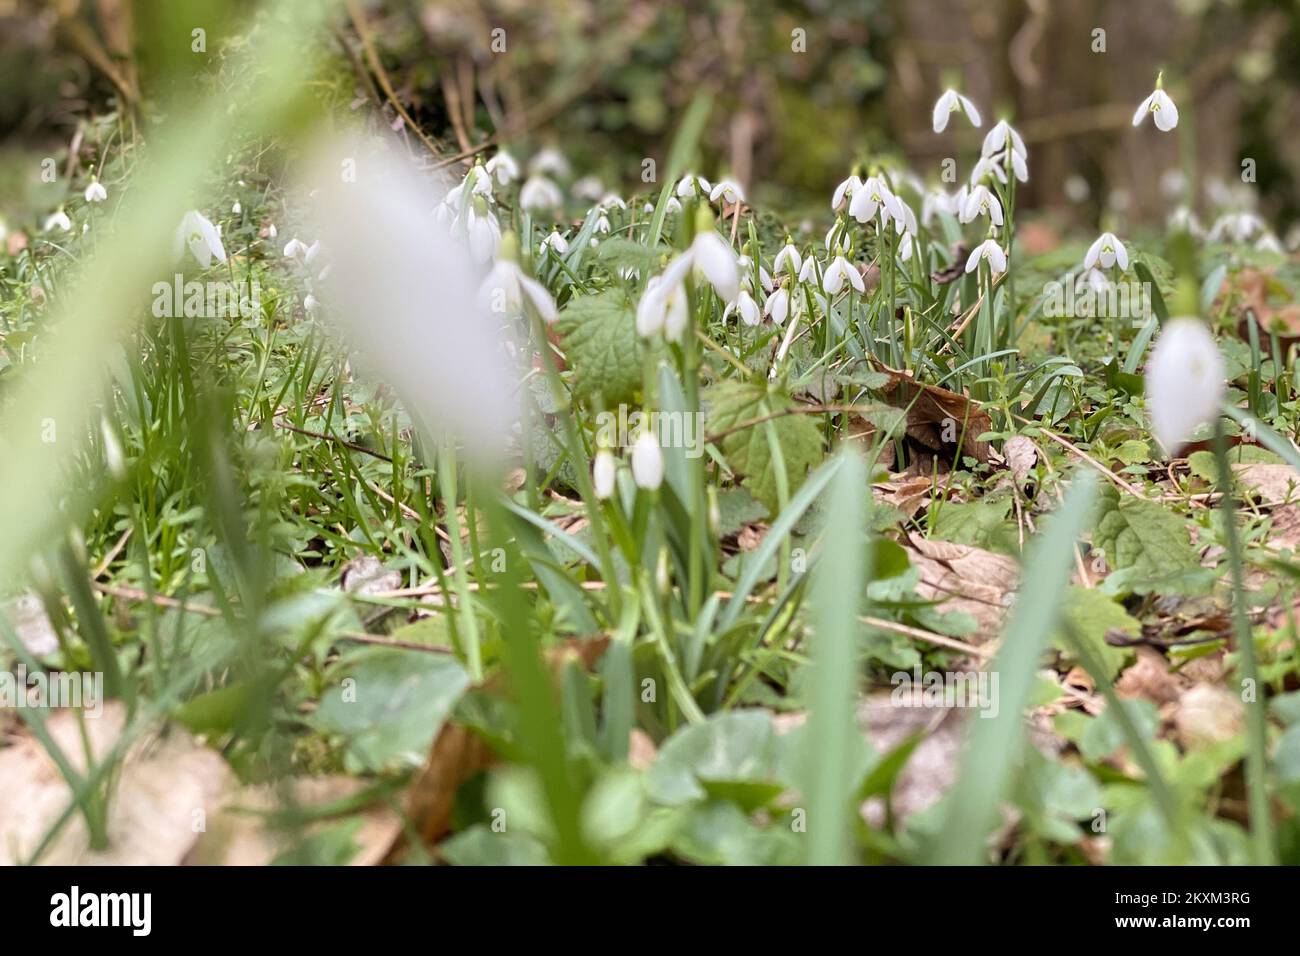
[604, 351]
[732, 754]
[1142, 538]
[749, 450]
[393, 707]
[1092, 613]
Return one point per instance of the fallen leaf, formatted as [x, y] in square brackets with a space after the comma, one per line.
[937, 418]
[1020, 453]
[1207, 715]
[32, 625]
[1149, 678]
[1271, 484]
[966, 578]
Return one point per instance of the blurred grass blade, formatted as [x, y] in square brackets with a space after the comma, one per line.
[994, 742]
[839, 583]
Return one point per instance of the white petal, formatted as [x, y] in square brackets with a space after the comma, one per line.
[973, 260]
[603, 472]
[1166, 117]
[855, 277]
[997, 257]
[541, 299]
[647, 462]
[1121, 255]
[971, 112]
[1184, 382]
[715, 259]
[678, 314]
[942, 110]
[1094, 252]
[1144, 109]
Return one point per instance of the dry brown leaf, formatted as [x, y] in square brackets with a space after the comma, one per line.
[966, 578]
[1253, 289]
[751, 536]
[32, 625]
[1149, 678]
[1020, 453]
[937, 417]
[1272, 484]
[164, 790]
[457, 754]
[908, 493]
[366, 575]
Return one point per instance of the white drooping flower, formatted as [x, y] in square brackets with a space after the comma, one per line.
[777, 306]
[991, 252]
[549, 162]
[1183, 219]
[838, 272]
[808, 271]
[604, 469]
[506, 287]
[938, 201]
[1268, 242]
[953, 102]
[503, 168]
[540, 194]
[727, 190]
[997, 138]
[905, 247]
[404, 294]
[236, 209]
[1106, 251]
[874, 196]
[1236, 227]
[556, 243]
[483, 231]
[989, 167]
[663, 308]
[745, 266]
[477, 182]
[647, 461]
[844, 191]
[197, 233]
[980, 201]
[58, 220]
[689, 184]
[1162, 109]
[294, 248]
[1093, 279]
[1184, 382]
[712, 258]
[591, 189]
[745, 307]
[787, 260]
[96, 192]
[612, 201]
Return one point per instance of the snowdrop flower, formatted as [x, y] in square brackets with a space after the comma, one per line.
[745, 266]
[503, 168]
[671, 206]
[602, 223]
[663, 308]
[294, 248]
[875, 195]
[1184, 382]
[937, 201]
[905, 247]
[1093, 279]
[905, 219]
[787, 260]
[777, 306]
[953, 102]
[96, 192]
[604, 469]
[745, 306]
[713, 259]
[1173, 183]
[1018, 167]
[1106, 250]
[311, 252]
[989, 251]
[506, 286]
[844, 191]
[1184, 220]
[808, 271]
[838, 272]
[477, 182]
[58, 220]
[647, 461]
[556, 243]
[484, 232]
[1164, 112]
[236, 209]
[728, 191]
[197, 233]
[549, 161]
[612, 201]
[540, 194]
[589, 188]
[988, 167]
[689, 184]
[1269, 243]
[997, 139]
[309, 302]
[271, 231]
[404, 294]
[981, 202]
[1236, 226]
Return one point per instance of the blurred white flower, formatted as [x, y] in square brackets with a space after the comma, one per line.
[1269, 243]
[506, 286]
[745, 307]
[197, 234]
[1106, 251]
[294, 248]
[663, 308]
[991, 252]
[483, 231]
[540, 194]
[404, 295]
[953, 102]
[1162, 109]
[1236, 227]
[477, 182]
[1184, 382]
[96, 192]
[1093, 279]
[591, 189]
[58, 220]
[1184, 220]
[988, 167]
[503, 168]
[602, 223]
[604, 469]
[647, 461]
[549, 162]
[713, 259]
[838, 272]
